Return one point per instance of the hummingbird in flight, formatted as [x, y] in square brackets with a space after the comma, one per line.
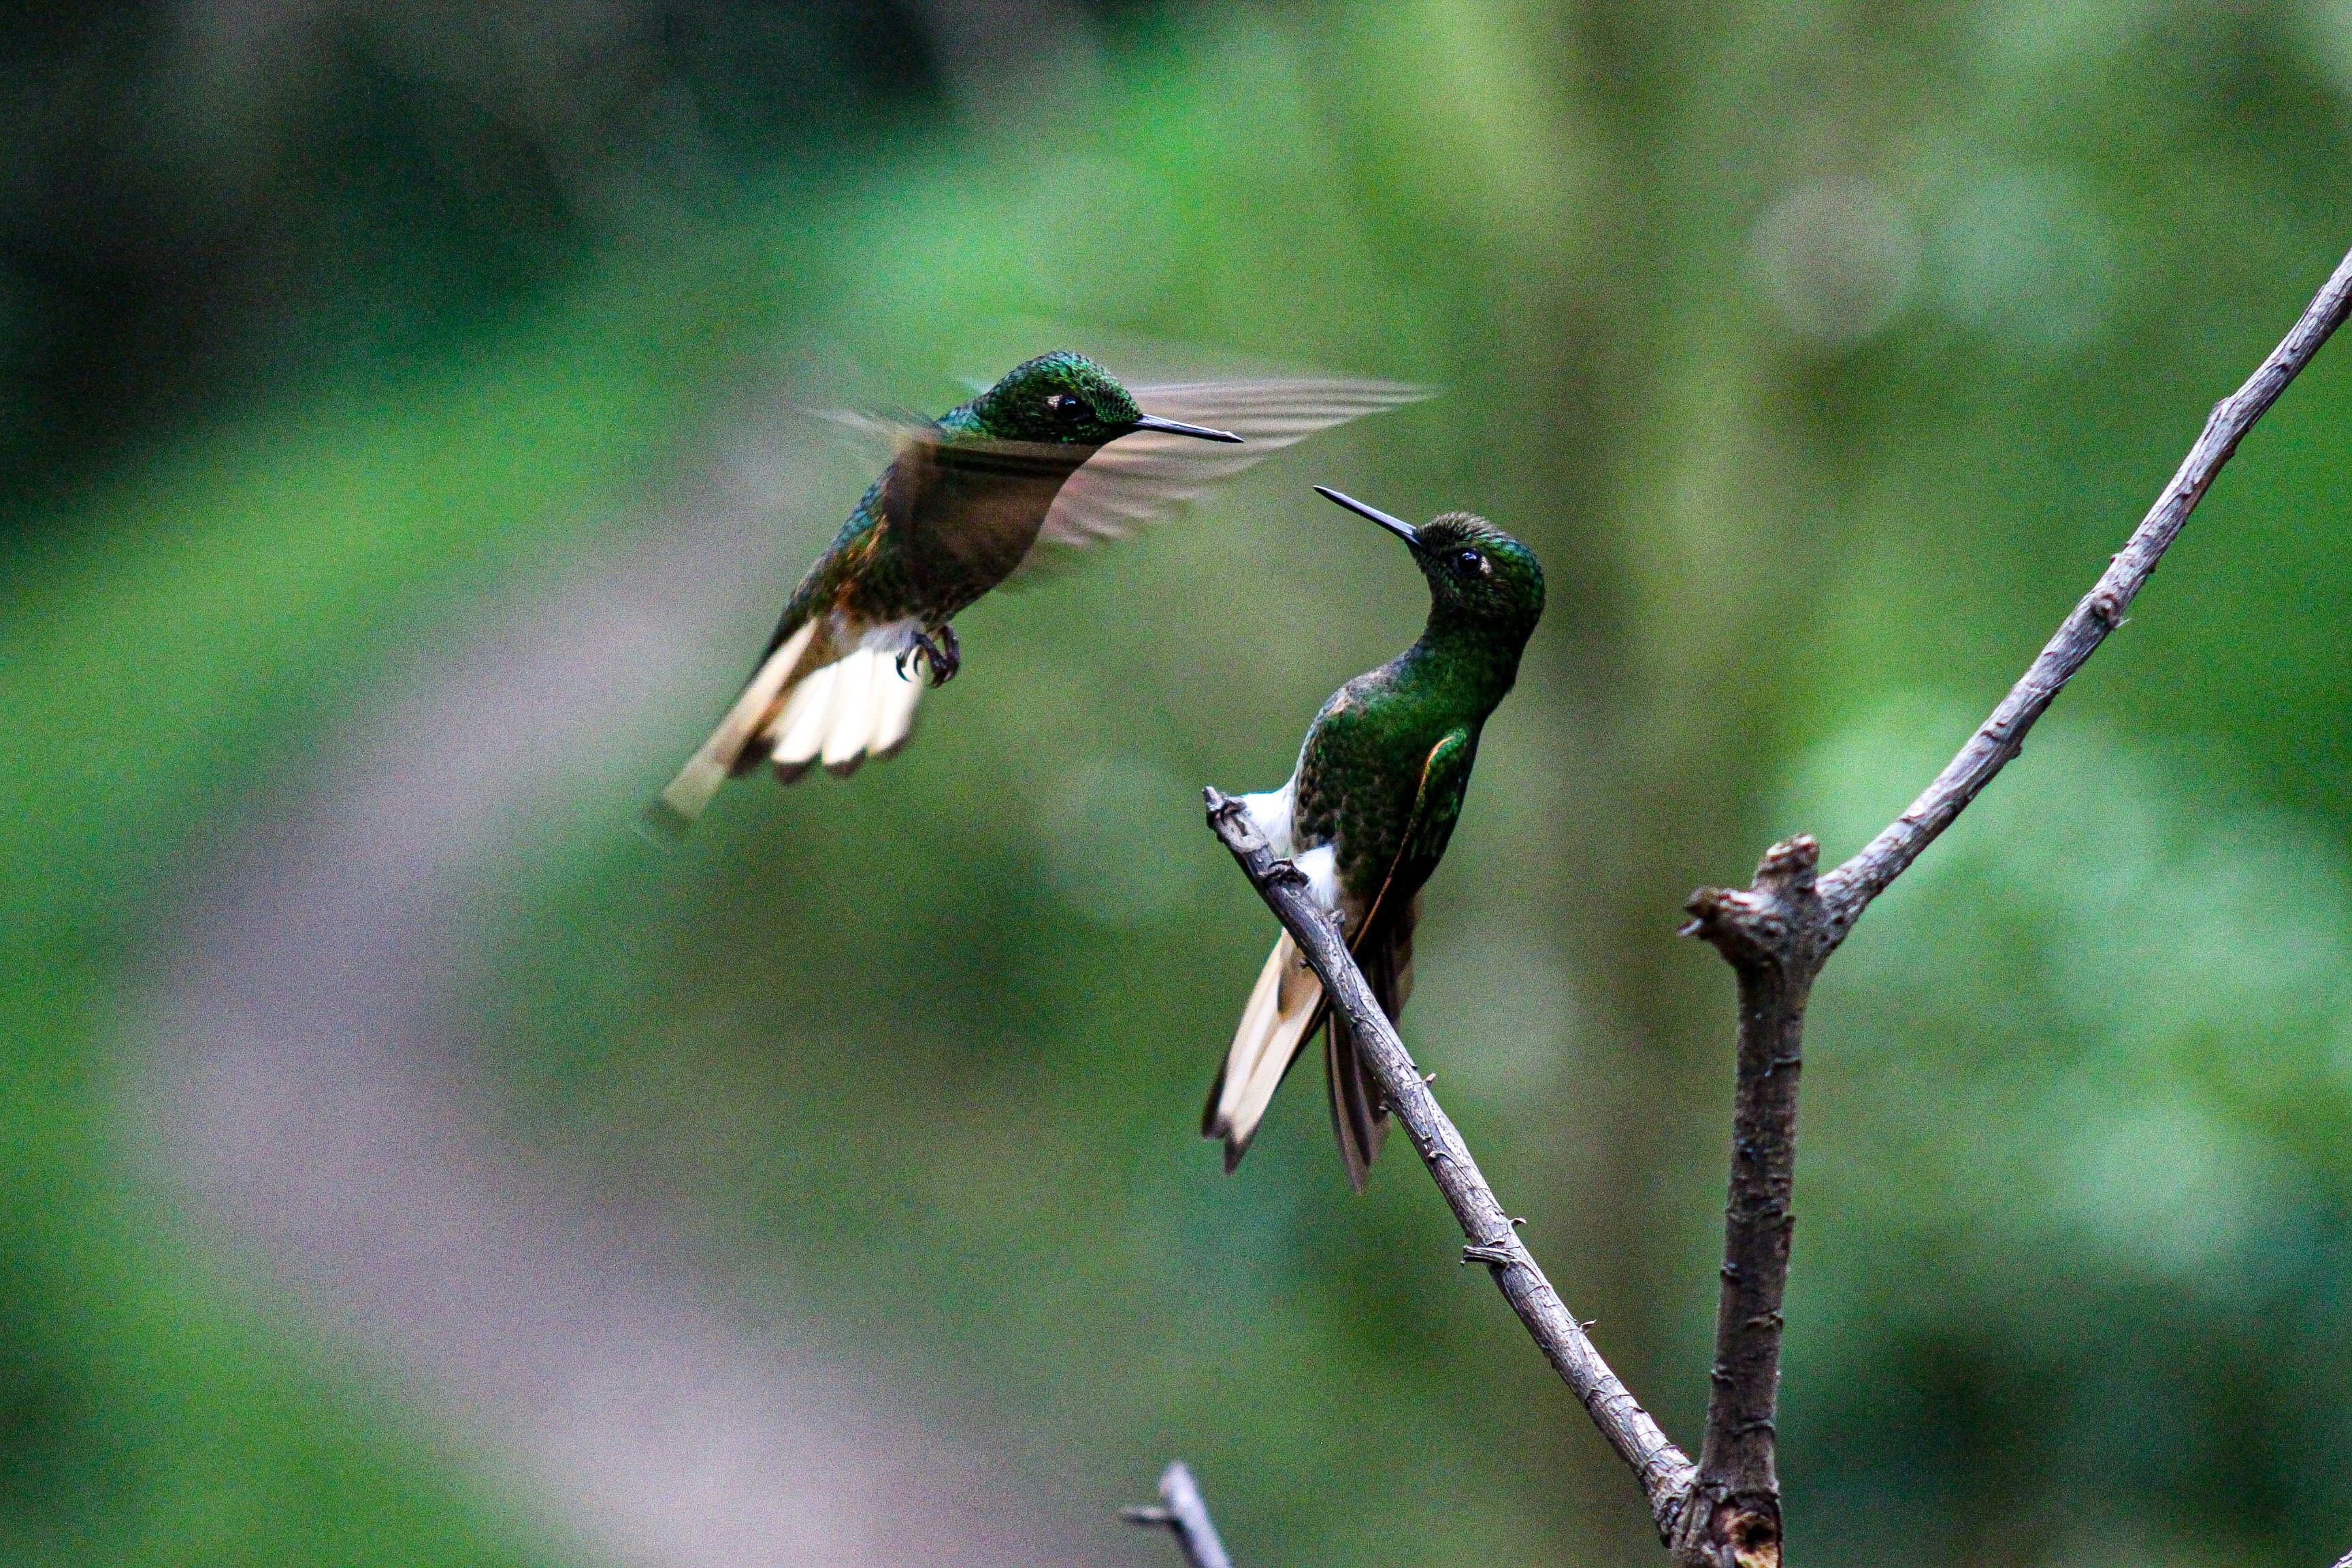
[1366, 814]
[1056, 454]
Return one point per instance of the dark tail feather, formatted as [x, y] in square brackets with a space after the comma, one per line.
[1359, 1116]
[1359, 1113]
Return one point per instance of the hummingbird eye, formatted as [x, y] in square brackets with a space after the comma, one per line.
[1065, 407]
[1471, 561]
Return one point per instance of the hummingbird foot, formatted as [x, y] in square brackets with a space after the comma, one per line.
[944, 656]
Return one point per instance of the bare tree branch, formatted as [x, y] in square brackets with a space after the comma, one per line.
[1725, 1512]
[1847, 891]
[1779, 932]
[1663, 1469]
[1776, 938]
[1184, 1514]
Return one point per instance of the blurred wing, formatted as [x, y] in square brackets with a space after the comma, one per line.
[1139, 477]
[873, 436]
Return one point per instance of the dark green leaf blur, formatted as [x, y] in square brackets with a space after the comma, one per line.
[405, 442]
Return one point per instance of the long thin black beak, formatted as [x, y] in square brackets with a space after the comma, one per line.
[1172, 428]
[1395, 525]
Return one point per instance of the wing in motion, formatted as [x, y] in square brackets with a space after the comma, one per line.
[840, 698]
[1145, 476]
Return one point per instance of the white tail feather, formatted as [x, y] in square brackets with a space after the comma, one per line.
[1283, 1005]
[843, 712]
[895, 694]
[689, 794]
[856, 708]
[851, 723]
[801, 727]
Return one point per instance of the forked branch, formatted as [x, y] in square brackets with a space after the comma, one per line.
[1779, 932]
[1776, 933]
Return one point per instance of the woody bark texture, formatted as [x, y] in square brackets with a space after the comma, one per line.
[1776, 933]
[1775, 937]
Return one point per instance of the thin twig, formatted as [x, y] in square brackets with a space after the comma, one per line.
[1848, 890]
[1663, 1469]
[1183, 1513]
[1779, 932]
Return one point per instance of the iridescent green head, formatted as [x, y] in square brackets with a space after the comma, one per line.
[1066, 399]
[1476, 571]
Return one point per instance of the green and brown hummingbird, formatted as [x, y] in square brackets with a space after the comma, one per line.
[1056, 454]
[1366, 815]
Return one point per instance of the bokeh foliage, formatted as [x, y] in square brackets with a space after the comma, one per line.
[1822, 351]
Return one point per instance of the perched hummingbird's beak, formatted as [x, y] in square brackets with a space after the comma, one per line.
[1395, 525]
[1172, 428]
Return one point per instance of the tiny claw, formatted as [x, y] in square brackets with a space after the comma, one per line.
[943, 658]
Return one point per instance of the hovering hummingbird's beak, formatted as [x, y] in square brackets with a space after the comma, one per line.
[1395, 525]
[1172, 428]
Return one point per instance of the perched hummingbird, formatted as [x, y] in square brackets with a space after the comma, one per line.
[1366, 815]
[1058, 453]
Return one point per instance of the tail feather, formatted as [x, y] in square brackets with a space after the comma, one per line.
[1284, 1012]
[1360, 1112]
[851, 724]
[895, 694]
[689, 794]
[799, 731]
[796, 713]
[860, 707]
[1284, 1008]
[1358, 1117]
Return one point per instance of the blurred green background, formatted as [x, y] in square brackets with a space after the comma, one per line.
[1824, 351]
